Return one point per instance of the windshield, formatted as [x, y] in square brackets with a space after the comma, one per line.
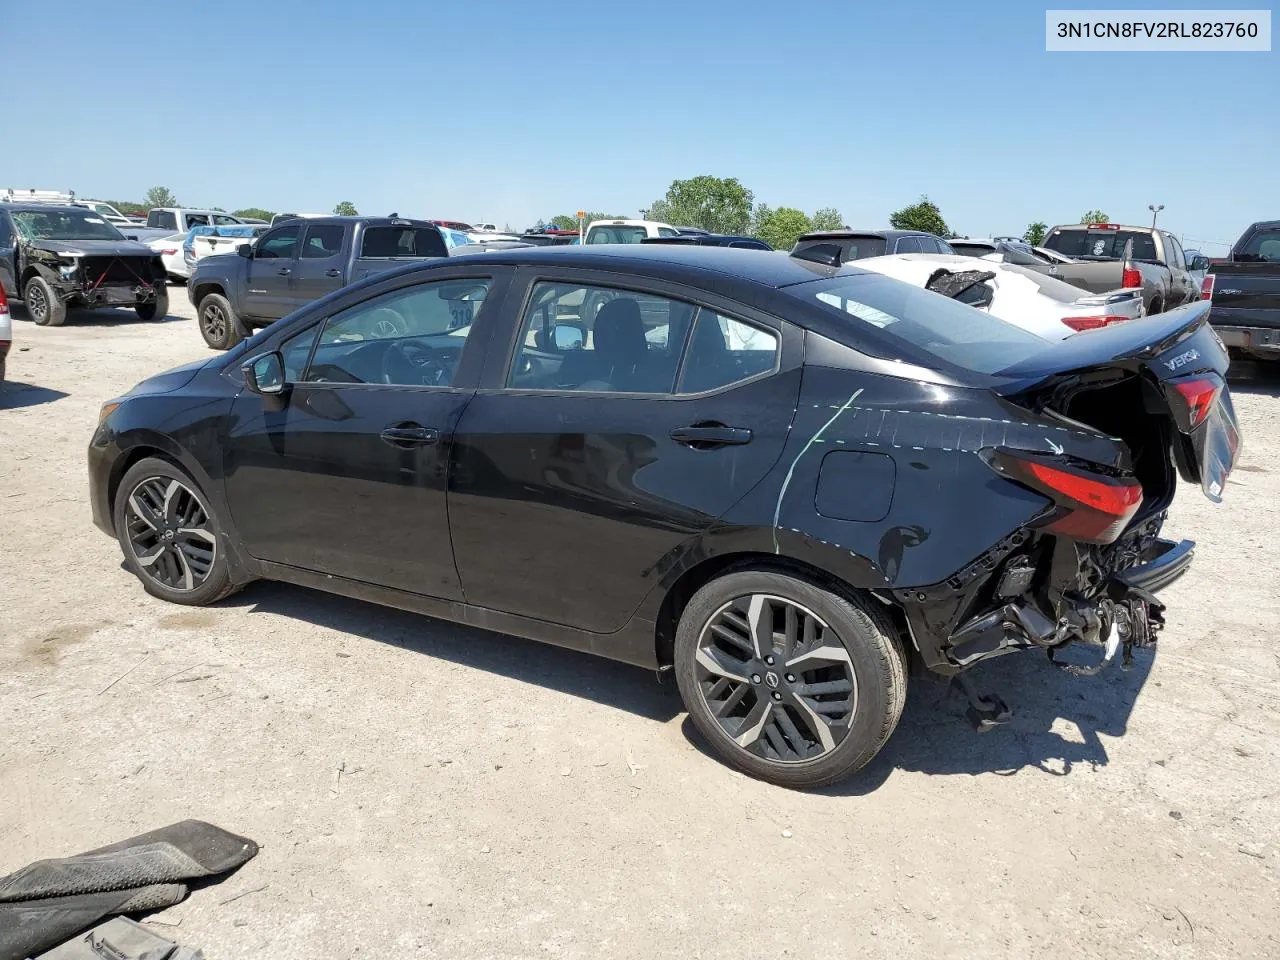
[617, 234]
[61, 224]
[958, 335]
[1101, 244]
[1262, 247]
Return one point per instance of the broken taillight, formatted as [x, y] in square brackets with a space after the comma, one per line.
[1199, 394]
[1206, 287]
[1089, 506]
[1131, 278]
[1092, 323]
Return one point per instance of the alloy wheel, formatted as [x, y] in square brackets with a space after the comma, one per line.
[776, 679]
[170, 533]
[215, 322]
[37, 303]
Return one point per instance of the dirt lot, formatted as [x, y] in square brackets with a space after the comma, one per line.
[424, 789]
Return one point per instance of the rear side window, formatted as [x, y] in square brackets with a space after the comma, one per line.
[6, 233]
[1101, 244]
[324, 240]
[955, 334]
[908, 245]
[619, 234]
[389, 243]
[724, 351]
[854, 248]
[1263, 246]
[200, 219]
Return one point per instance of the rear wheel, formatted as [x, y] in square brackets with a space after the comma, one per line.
[789, 682]
[44, 306]
[1157, 306]
[217, 322]
[169, 535]
[159, 307]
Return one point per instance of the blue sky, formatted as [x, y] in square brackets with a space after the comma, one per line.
[511, 110]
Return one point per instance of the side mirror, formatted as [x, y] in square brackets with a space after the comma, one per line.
[264, 374]
[568, 336]
[245, 250]
[1200, 263]
[131, 236]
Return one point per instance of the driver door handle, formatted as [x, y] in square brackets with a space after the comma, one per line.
[705, 435]
[283, 271]
[409, 435]
[333, 272]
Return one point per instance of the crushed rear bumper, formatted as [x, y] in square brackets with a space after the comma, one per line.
[1165, 562]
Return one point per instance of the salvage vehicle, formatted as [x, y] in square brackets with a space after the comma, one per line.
[1155, 263]
[1026, 298]
[6, 331]
[861, 244]
[57, 258]
[296, 262]
[1245, 290]
[623, 231]
[817, 480]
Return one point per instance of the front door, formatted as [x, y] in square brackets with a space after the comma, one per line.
[324, 254]
[266, 295]
[595, 453]
[348, 479]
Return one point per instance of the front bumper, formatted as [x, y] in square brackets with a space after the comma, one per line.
[103, 454]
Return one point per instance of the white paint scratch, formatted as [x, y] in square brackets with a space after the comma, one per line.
[817, 437]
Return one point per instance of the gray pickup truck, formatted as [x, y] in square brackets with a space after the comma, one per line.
[1156, 262]
[1245, 291]
[297, 262]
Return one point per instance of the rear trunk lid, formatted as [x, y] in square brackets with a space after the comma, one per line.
[1182, 366]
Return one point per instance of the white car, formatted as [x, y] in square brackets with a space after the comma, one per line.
[490, 236]
[170, 250]
[484, 228]
[110, 214]
[1041, 304]
[6, 330]
[627, 231]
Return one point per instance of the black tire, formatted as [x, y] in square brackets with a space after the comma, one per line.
[218, 322]
[44, 306]
[875, 657]
[159, 307]
[3, 361]
[1157, 306]
[150, 555]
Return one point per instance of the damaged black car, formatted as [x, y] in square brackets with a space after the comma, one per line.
[790, 484]
[59, 258]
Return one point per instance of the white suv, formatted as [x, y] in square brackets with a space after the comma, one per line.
[627, 231]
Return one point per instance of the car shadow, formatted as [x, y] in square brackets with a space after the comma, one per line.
[1247, 376]
[567, 671]
[1056, 725]
[14, 394]
[100, 317]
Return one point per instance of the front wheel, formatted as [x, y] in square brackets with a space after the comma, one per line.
[217, 322]
[159, 307]
[44, 306]
[789, 682]
[170, 537]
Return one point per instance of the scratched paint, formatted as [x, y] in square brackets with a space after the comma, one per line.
[816, 438]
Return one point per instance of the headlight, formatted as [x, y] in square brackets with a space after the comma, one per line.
[107, 409]
[68, 271]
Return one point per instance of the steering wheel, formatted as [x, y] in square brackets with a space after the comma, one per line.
[409, 363]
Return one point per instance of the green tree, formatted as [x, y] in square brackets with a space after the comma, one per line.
[130, 208]
[1035, 233]
[254, 213]
[564, 222]
[780, 227]
[828, 218]
[346, 209]
[721, 205]
[921, 215]
[1095, 216]
[161, 197]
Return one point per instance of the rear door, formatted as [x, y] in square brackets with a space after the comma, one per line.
[267, 294]
[321, 263]
[623, 417]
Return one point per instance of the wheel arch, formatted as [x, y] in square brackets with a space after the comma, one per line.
[206, 287]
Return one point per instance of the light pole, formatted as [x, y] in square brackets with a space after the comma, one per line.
[1155, 209]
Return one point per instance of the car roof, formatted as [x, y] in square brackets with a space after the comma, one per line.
[843, 234]
[367, 221]
[44, 207]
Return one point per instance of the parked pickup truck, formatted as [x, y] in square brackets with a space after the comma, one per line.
[1245, 290]
[1156, 263]
[166, 221]
[297, 262]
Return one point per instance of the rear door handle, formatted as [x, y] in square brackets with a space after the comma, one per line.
[409, 435]
[283, 271]
[705, 435]
[333, 273]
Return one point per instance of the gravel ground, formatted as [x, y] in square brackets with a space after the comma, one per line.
[420, 788]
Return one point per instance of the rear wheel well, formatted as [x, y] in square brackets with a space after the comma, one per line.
[694, 579]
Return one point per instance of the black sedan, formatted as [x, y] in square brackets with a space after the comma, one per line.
[788, 483]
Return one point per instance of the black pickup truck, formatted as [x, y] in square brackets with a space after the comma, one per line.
[1245, 290]
[297, 262]
[55, 257]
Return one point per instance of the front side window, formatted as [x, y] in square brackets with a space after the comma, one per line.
[224, 219]
[278, 244]
[599, 339]
[324, 240]
[908, 245]
[411, 337]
